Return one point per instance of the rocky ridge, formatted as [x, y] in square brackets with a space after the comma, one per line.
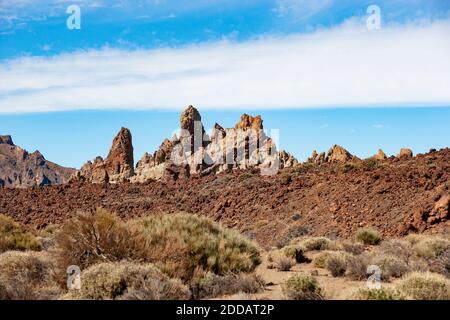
[21, 169]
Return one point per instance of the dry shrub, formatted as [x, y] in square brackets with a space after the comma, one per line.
[442, 264]
[321, 260]
[284, 263]
[296, 252]
[210, 285]
[337, 265]
[369, 236]
[312, 243]
[425, 286]
[299, 287]
[14, 237]
[295, 230]
[431, 247]
[401, 249]
[351, 247]
[391, 266]
[127, 281]
[27, 276]
[378, 294]
[91, 238]
[183, 242]
[357, 266]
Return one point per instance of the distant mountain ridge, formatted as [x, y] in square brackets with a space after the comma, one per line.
[21, 169]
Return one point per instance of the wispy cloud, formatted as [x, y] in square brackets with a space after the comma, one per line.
[343, 66]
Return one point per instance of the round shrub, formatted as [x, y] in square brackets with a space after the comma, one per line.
[299, 287]
[128, 281]
[369, 236]
[337, 265]
[183, 242]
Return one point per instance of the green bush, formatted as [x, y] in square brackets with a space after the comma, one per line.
[127, 281]
[425, 286]
[378, 294]
[27, 276]
[369, 236]
[13, 237]
[299, 287]
[183, 242]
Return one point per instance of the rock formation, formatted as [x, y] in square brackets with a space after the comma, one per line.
[338, 154]
[244, 146]
[316, 158]
[118, 165]
[20, 169]
[380, 155]
[405, 153]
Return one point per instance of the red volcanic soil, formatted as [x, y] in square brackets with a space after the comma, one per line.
[395, 196]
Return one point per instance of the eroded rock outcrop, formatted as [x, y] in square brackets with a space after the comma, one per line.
[118, 165]
[338, 154]
[380, 155]
[405, 153]
[195, 153]
[21, 169]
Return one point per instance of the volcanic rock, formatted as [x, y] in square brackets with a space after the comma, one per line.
[405, 153]
[338, 154]
[118, 165]
[20, 169]
[380, 155]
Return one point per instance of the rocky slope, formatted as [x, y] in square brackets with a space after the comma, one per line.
[20, 169]
[397, 195]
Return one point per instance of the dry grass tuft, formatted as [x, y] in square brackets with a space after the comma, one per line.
[128, 281]
[13, 236]
[425, 286]
[299, 287]
[27, 276]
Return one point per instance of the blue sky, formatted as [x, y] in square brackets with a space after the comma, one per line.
[311, 68]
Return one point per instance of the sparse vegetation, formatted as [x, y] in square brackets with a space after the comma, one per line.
[284, 263]
[369, 236]
[182, 242]
[431, 247]
[312, 243]
[378, 294]
[130, 281]
[90, 238]
[425, 286]
[27, 276]
[351, 247]
[299, 287]
[391, 266]
[337, 265]
[210, 285]
[14, 237]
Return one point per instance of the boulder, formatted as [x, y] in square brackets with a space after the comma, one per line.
[405, 153]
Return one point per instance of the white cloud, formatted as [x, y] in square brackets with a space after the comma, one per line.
[344, 66]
